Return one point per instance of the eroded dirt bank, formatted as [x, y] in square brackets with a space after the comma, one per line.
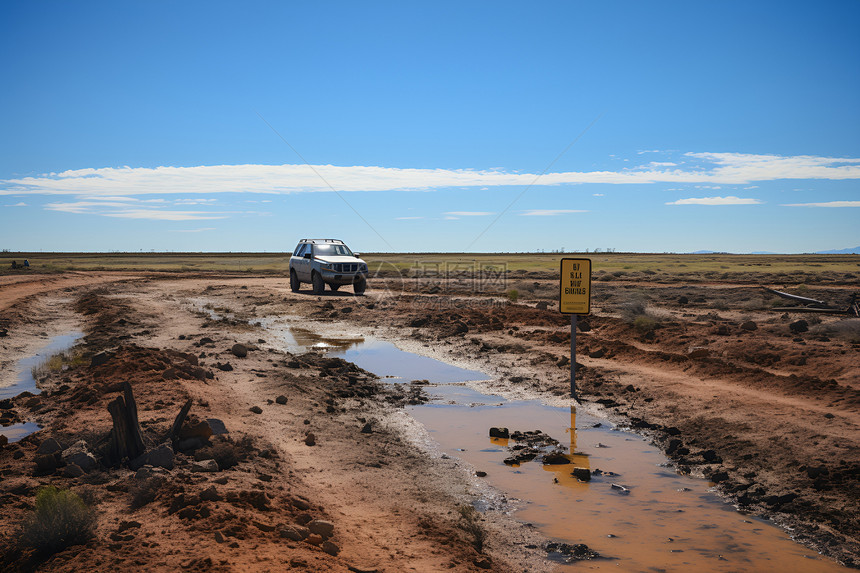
[308, 477]
[728, 388]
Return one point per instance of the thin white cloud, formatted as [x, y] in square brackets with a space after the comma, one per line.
[549, 212]
[123, 210]
[715, 201]
[597, 194]
[710, 169]
[406, 218]
[827, 204]
[194, 230]
[469, 213]
[19, 204]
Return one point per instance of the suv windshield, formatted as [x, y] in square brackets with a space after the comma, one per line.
[332, 250]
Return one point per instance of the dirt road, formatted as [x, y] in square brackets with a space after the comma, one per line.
[730, 390]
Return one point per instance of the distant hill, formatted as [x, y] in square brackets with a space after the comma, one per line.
[849, 251]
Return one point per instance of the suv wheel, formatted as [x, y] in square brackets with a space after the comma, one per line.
[295, 285]
[334, 287]
[359, 286]
[319, 285]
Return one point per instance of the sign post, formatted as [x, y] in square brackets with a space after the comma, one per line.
[574, 298]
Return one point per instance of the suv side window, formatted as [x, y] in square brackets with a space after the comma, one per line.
[303, 248]
[298, 248]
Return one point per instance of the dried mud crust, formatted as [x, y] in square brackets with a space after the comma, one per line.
[770, 414]
[309, 476]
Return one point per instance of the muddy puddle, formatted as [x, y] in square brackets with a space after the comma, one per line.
[636, 511]
[23, 379]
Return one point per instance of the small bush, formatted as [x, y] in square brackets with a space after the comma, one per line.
[470, 525]
[513, 295]
[226, 452]
[644, 324]
[60, 519]
[845, 329]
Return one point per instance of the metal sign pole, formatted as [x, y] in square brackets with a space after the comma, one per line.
[573, 356]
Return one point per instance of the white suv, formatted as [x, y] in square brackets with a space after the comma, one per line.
[326, 262]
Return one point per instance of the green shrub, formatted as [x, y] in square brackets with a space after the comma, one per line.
[513, 295]
[60, 519]
[644, 324]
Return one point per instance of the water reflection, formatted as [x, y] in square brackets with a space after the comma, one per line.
[634, 508]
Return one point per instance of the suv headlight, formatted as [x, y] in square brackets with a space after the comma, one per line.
[362, 267]
[326, 266]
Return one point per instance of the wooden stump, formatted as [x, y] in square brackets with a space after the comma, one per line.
[126, 441]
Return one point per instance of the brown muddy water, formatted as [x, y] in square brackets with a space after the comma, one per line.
[657, 520]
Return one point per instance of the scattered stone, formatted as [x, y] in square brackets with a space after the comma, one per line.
[217, 426]
[330, 547]
[599, 353]
[321, 527]
[314, 539]
[483, 562]
[749, 326]
[263, 526]
[205, 466]
[622, 489]
[239, 350]
[256, 409]
[72, 471]
[100, 358]
[49, 446]
[799, 326]
[79, 455]
[563, 361]
[582, 474]
[481, 474]
[281, 399]
[294, 532]
[226, 367]
[500, 433]
[542, 305]
[310, 439]
[698, 352]
[219, 537]
[210, 494]
[555, 459]
[358, 569]
[160, 457]
[3, 440]
[201, 430]
[46, 464]
[578, 552]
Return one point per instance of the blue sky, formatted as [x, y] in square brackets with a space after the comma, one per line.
[490, 126]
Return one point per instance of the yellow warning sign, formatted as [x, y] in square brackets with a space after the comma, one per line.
[575, 287]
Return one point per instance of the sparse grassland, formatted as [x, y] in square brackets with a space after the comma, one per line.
[778, 269]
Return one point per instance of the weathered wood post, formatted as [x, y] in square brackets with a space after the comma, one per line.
[125, 438]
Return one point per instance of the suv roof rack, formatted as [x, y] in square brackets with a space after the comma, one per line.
[321, 241]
